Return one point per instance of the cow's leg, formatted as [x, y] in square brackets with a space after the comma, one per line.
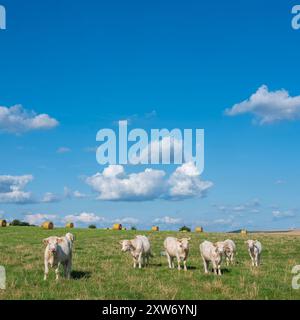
[178, 262]
[57, 271]
[215, 267]
[232, 258]
[219, 270]
[68, 269]
[140, 260]
[227, 260]
[184, 265]
[173, 264]
[205, 264]
[252, 259]
[257, 260]
[134, 262]
[169, 260]
[46, 270]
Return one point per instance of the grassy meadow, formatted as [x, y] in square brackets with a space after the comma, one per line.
[102, 271]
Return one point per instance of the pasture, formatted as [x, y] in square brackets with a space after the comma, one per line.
[102, 271]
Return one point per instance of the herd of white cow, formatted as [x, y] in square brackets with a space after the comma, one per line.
[59, 252]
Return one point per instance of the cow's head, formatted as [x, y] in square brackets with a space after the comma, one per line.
[220, 246]
[126, 245]
[183, 243]
[250, 243]
[52, 243]
[70, 237]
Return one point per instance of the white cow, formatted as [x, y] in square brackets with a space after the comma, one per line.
[210, 253]
[139, 248]
[254, 249]
[228, 249]
[178, 248]
[59, 251]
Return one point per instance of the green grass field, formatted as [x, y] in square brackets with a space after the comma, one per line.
[102, 271]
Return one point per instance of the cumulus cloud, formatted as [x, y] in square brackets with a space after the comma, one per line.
[84, 217]
[18, 120]
[268, 106]
[12, 189]
[115, 185]
[167, 220]
[39, 218]
[50, 197]
[185, 182]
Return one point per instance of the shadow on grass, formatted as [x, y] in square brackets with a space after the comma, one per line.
[77, 275]
[155, 264]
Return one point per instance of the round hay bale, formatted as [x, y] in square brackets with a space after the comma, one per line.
[155, 228]
[70, 225]
[244, 231]
[117, 226]
[3, 223]
[48, 225]
[198, 229]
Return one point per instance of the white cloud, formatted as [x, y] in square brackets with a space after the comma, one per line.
[185, 182]
[68, 193]
[129, 220]
[268, 106]
[12, 189]
[18, 120]
[114, 184]
[63, 150]
[279, 214]
[77, 194]
[167, 220]
[167, 145]
[50, 197]
[84, 217]
[39, 218]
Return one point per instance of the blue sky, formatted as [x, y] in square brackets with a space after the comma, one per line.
[160, 64]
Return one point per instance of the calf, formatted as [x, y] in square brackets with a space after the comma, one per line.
[58, 251]
[178, 248]
[254, 249]
[210, 253]
[139, 248]
[228, 249]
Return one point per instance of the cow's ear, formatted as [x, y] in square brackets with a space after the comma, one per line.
[45, 241]
[189, 239]
[121, 243]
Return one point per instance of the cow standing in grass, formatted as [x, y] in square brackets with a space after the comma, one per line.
[228, 249]
[140, 249]
[58, 251]
[178, 248]
[254, 249]
[211, 253]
